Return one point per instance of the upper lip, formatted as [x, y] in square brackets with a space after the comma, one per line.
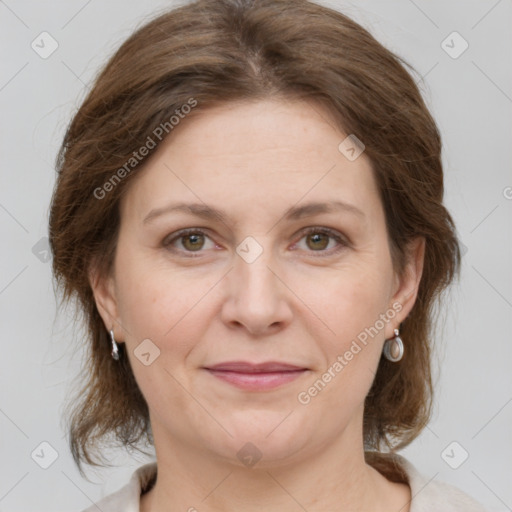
[246, 367]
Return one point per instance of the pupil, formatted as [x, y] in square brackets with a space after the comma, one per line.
[319, 241]
[194, 242]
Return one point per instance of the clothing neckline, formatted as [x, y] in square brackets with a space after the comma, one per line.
[426, 493]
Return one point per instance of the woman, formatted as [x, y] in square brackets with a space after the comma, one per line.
[249, 212]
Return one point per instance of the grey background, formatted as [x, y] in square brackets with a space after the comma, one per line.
[471, 99]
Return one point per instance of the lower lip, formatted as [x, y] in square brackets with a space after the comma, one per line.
[257, 381]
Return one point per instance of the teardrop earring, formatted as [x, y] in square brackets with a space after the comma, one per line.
[394, 348]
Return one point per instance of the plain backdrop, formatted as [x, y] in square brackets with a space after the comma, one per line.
[469, 440]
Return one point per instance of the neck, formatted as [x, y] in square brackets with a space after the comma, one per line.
[335, 478]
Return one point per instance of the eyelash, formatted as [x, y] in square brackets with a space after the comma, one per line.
[342, 242]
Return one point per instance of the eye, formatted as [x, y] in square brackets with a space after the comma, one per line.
[189, 240]
[315, 239]
[325, 240]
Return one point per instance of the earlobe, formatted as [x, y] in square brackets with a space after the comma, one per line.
[409, 281]
[104, 295]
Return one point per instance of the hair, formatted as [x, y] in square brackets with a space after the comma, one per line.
[218, 52]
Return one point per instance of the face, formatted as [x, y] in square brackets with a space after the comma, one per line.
[249, 237]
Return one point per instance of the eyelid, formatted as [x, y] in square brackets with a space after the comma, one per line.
[185, 231]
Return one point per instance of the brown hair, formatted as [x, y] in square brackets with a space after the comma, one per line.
[235, 50]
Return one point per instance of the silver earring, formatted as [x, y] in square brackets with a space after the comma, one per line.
[394, 348]
[115, 349]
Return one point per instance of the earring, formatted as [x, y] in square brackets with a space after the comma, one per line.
[115, 349]
[394, 348]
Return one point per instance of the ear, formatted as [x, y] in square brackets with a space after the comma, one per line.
[103, 290]
[407, 284]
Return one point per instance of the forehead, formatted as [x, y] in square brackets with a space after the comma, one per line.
[253, 155]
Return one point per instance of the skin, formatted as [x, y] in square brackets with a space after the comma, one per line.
[301, 301]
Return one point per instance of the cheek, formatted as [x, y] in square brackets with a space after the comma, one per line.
[350, 299]
[351, 306]
[155, 303]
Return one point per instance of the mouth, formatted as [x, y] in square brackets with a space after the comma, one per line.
[256, 377]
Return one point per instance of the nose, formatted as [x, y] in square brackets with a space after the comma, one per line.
[257, 299]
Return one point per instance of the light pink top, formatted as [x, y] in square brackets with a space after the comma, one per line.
[427, 494]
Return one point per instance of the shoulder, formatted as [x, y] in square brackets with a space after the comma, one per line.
[127, 498]
[429, 494]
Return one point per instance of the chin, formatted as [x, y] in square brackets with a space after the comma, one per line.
[261, 439]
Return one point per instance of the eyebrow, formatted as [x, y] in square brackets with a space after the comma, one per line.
[293, 213]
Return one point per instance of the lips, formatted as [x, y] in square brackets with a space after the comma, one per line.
[244, 367]
[256, 376]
